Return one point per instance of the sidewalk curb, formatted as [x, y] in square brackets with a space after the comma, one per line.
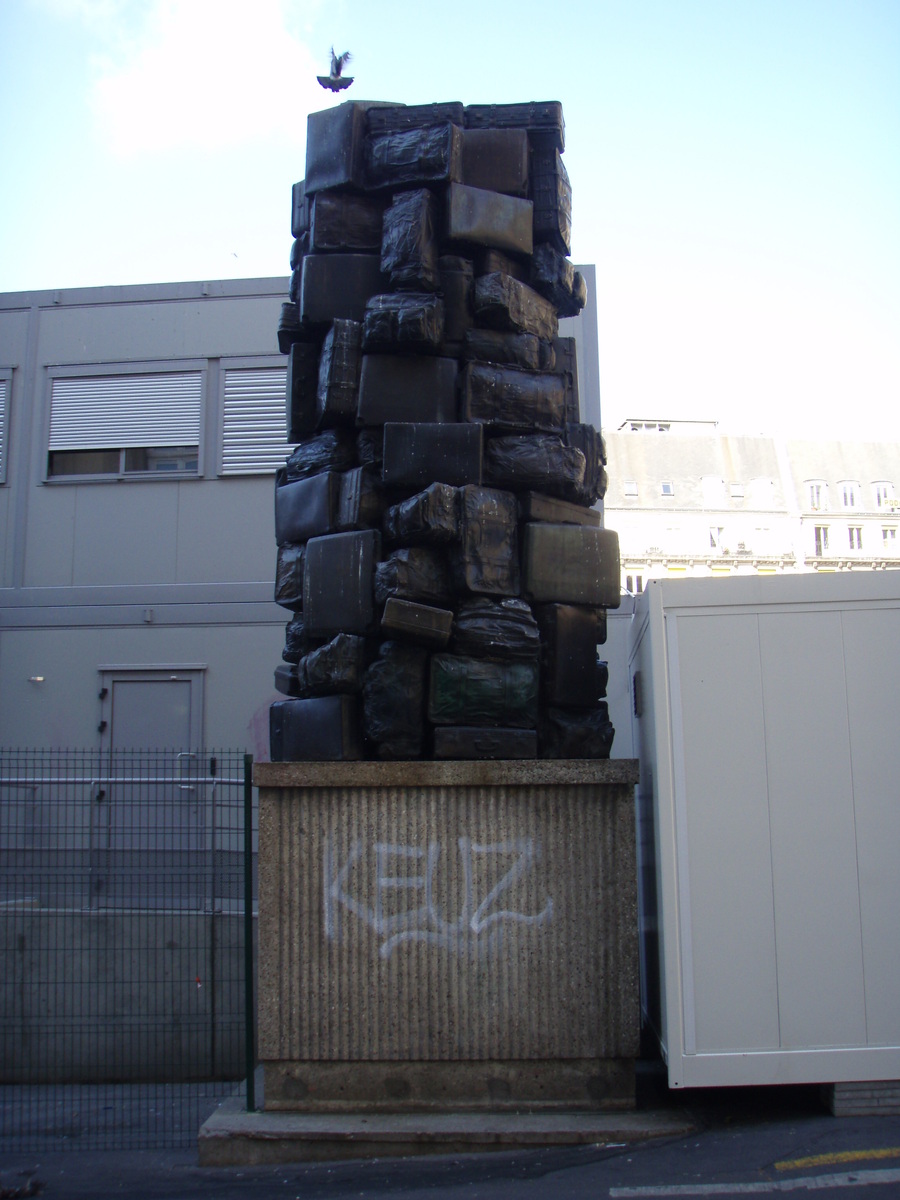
[234, 1137]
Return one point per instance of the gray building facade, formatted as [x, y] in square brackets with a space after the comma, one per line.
[140, 428]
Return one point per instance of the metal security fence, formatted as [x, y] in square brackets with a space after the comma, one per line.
[126, 944]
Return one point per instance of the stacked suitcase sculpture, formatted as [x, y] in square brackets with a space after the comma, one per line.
[447, 575]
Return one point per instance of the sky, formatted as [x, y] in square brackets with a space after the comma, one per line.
[735, 167]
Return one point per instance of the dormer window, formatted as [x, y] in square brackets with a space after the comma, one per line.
[884, 493]
[848, 490]
[817, 494]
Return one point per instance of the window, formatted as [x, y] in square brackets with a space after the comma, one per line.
[634, 584]
[253, 430]
[817, 494]
[737, 490]
[889, 537]
[668, 487]
[631, 489]
[649, 426]
[856, 537]
[715, 536]
[140, 423]
[884, 494]
[821, 538]
[5, 379]
[848, 489]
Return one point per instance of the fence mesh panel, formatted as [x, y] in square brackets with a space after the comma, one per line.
[122, 945]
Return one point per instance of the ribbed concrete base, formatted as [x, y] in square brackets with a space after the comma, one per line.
[873, 1099]
[234, 1137]
[394, 1087]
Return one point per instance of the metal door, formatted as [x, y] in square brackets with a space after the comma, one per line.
[152, 820]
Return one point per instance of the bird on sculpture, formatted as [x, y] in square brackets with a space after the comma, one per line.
[336, 82]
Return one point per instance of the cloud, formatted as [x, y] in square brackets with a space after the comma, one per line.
[203, 74]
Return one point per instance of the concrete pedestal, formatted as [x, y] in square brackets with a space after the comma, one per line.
[447, 936]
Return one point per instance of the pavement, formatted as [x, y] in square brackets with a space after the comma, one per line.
[709, 1142]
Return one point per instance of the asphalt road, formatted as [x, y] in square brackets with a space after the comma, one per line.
[761, 1141]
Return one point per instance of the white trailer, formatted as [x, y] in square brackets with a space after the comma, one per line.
[767, 724]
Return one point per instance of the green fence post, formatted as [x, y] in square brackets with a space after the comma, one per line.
[248, 932]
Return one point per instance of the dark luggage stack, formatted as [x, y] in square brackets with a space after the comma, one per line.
[438, 548]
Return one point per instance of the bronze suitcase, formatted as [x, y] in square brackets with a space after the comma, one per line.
[409, 620]
[575, 733]
[289, 577]
[496, 160]
[476, 217]
[542, 119]
[478, 691]
[337, 388]
[301, 383]
[504, 303]
[535, 462]
[535, 507]
[552, 195]
[570, 564]
[457, 278]
[361, 502]
[522, 350]
[337, 667]
[331, 450]
[474, 741]
[430, 516]
[503, 629]
[289, 328]
[486, 559]
[409, 246]
[413, 573]
[394, 700]
[336, 148]
[571, 676]
[299, 209]
[554, 276]
[338, 579]
[343, 222]
[417, 453]
[397, 388]
[430, 154]
[286, 680]
[404, 321]
[510, 398]
[323, 729]
[338, 285]
[388, 118]
[307, 508]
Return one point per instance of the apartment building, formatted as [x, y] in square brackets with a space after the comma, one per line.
[689, 500]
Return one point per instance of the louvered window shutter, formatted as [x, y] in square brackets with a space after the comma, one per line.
[253, 435]
[122, 411]
[4, 425]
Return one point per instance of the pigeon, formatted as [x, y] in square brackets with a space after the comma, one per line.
[336, 82]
